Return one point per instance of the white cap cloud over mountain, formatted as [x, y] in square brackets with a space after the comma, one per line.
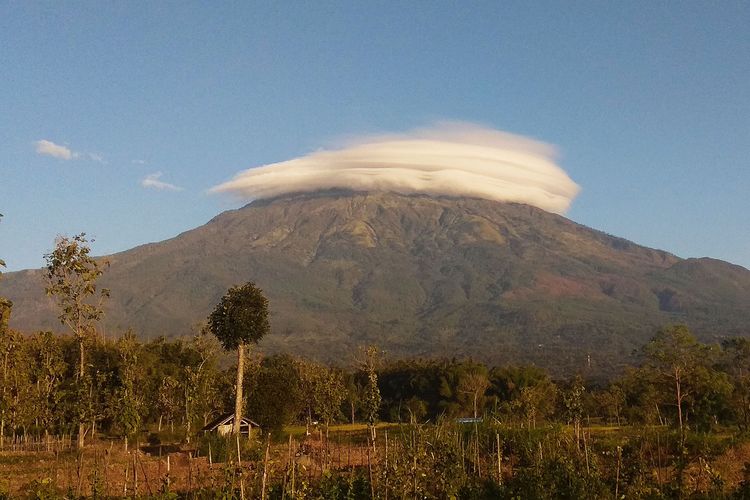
[453, 159]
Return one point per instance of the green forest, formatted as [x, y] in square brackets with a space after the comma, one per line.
[663, 429]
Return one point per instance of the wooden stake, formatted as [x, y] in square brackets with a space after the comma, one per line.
[145, 477]
[617, 476]
[135, 475]
[239, 455]
[386, 464]
[294, 472]
[586, 452]
[125, 484]
[265, 467]
[369, 468]
[289, 458]
[499, 459]
[190, 471]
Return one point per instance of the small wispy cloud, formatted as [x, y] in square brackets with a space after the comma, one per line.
[138, 162]
[96, 157]
[49, 148]
[151, 181]
[46, 147]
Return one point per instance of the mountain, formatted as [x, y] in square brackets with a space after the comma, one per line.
[418, 276]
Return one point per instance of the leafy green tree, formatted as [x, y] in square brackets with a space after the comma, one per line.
[643, 396]
[353, 395]
[508, 381]
[417, 409]
[737, 365]
[309, 375]
[5, 343]
[410, 389]
[5, 304]
[526, 391]
[612, 402]
[199, 372]
[168, 400]
[371, 398]
[7, 346]
[573, 401]
[240, 317]
[15, 393]
[101, 384]
[71, 276]
[277, 397]
[329, 394]
[674, 355]
[128, 399]
[48, 369]
[535, 402]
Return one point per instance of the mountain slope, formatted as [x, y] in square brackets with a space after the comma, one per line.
[416, 275]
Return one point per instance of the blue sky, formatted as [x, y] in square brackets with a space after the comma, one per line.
[647, 102]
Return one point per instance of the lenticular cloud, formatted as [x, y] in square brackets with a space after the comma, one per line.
[449, 159]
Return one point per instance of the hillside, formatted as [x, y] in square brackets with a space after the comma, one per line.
[419, 276]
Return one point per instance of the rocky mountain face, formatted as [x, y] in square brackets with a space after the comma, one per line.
[418, 276]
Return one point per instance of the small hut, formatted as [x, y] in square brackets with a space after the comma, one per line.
[224, 424]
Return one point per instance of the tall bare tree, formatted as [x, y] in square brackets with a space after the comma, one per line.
[71, 277]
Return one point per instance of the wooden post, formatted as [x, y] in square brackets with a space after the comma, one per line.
[386, 464]
[190, 471]
[125, 483]
[80, 473]
[499, 459]
[289, 458]
[135, 475]
[369, 468]
[145, 477]
[239, 454]
[265, 468]
[586, 452]
[617, 475]
[294, 473]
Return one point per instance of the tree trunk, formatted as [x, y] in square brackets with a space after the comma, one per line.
[81, 372]
[238, 395]
[81, 367]
[81, 434]
[679, 404]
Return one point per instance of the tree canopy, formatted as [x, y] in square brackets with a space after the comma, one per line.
[240, 317]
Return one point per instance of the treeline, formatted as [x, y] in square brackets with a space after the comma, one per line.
[129, 386]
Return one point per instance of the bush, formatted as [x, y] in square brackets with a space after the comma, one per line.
[224, 448]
